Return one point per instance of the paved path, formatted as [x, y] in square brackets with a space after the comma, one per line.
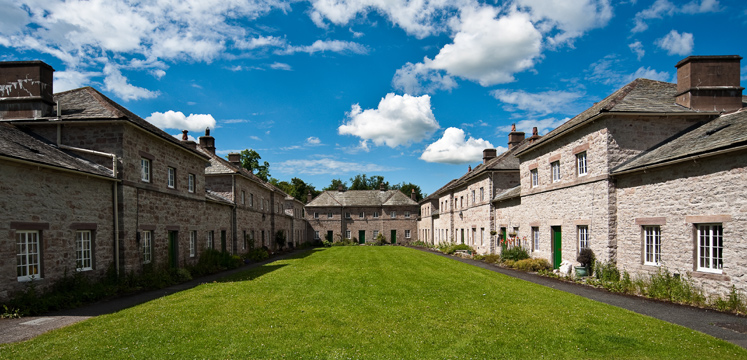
[13, 330]
[732, 328]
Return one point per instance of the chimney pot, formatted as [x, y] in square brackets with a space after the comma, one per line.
[340, 188]
[381, 186]
[469, 169]
[535, 132]
[412, 195]
[709, 83]
[514, 137]
[207, 141]
[235, 158]
[185, 137]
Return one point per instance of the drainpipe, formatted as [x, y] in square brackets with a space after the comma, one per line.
[114, 186]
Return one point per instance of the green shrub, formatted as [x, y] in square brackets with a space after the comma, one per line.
[586, 258]
[665, 286]
[533, 265]
[509, 263]
[606, 271]
[258, 254]
[344, 242]
[492, 258]
[452, 248]
[380, 240]
[515, 253]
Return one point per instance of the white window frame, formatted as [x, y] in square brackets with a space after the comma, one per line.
[482, 236]
[210, 239]
[581, 164]
[347, 215]
[407, 234]
[473, 196]
[583, 236]
[171, 182]
[347, 234]
[710, 247]
[146, 239]
[555, 168]
[329, 215]
[316, 235]
[652, 245]
[375, 233]
[535, 177]
[191, 183]
[28, 259]
[361, 215]
[145, 169]
[375, 214]
[316, 215]
[407, 214]
[482, 194]
[83, 250]
[193, 242]
[393, 214]
[243, 197]
[536, 237]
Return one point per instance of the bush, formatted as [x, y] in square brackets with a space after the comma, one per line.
[509, 263]
[344, 242]
[492, 258]
[515, 253]
[255, 255]
[452, 248]
[586, 258]
[665, 286]
[533, 265]
[606, 271]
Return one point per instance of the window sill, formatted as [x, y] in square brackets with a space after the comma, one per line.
[718, 276]
[29, 278]
[84, 269]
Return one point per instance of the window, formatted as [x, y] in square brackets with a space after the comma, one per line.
[147, 240]
[393, 214]
[376, 233]
[262, 204]
[316, 215]
[535, 177]
[361, 215]
[407, 214]
[710, 248]
[172, 178]
[536, 238]
[652, 245]
[83, 258]
[473, 196]
[376, 214]
[482, 236]
[583, 237]
[27, 257]
[581, 163]
[251, 200]
[144, 169]
[407, 234]
[347, 215]
[193, 241]
[329, 215]
[243, 198]
[316, 235]
[461, 201]
[347, 234]
[482, 194]
[211, 235]
[191, 183]
[555, 166]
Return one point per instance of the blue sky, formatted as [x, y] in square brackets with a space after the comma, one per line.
[322, 89]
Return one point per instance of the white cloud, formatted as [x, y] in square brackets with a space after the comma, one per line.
[637, 48]
[744, 72]
[676, 44]
[543, 126]
[571, 17]
[313, 140]
[115, 82]
[180, 136]
[158, 73]
[662, 8]
[609, 71]
[454, 148]
[327, 167]
[281, 66]
[542, 103]
[71, 79]
[399, 120]
[235, 68]
[418, 79]
[235, 121]
[337, 46]
[262, 41]
[177, 120]
[12, 18]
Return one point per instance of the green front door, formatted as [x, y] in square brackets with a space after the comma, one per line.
[557, 245]
[361, 236]
[223, 240]
[330, 235]
[394, 236]
[173, 248]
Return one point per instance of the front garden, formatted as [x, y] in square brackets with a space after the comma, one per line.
[372, 302]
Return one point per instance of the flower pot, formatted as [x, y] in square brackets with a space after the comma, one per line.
[581, 271]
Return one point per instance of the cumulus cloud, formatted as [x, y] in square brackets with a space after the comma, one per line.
[543, 126]
[542, 103]
[661, 8]
[637, 48]
[676, 44]
[337, 46]
[72, 79]
[115, 82]
[313, 141]
[281, 66]
[572, 18]
[399, 120]
[454, 148]
[327, 167]
[177, 120]
[609, 71]
[259, 42]
[419, 79]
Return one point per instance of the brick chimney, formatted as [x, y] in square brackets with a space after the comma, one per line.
[381, 187]
[535, 135]
[185, 140]
[514, 137]
[488, 154]
[469, 168]
[309, 197]
[234, 158]
[709, 83]
[207, 141]
[412, 195]
[26, 90]
[340, 188]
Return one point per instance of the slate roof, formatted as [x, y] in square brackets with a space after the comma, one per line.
[17, 144]
[218, 197]
[722, 133]
[511, 193]
[87, 104]
[350, 198]
[639, 96]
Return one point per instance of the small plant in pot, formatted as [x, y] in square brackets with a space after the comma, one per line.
[586, 258]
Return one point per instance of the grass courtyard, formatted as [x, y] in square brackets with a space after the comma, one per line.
[372, 302]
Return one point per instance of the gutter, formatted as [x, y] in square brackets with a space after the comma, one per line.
[681, 160]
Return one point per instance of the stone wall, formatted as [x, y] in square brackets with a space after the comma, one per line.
[384, 223]
[57, 204]
[677, 197]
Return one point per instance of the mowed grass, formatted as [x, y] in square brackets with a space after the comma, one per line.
[372, 302]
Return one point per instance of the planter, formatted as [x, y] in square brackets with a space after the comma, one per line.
[581, 271]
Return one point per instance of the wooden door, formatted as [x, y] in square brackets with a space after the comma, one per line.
[557, 245]
[173, 248]
[394, 236]
[361, 236]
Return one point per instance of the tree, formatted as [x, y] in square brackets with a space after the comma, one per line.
[296, 188]
[250, 161]
[406, 188]
[335, 184]
[362, 182]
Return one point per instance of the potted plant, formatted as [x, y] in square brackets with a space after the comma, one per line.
[586, 258]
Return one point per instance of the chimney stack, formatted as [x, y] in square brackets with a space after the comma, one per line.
[488, 154]
[412, 194]
[709, 83]
[207, 141]
[381, 186]
[308, 197]
[185, 140]
[234, 158]
[514, 137]
[26, 90]
[340, 188]
[469, 168]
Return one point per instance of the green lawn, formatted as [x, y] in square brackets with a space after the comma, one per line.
[372, 302]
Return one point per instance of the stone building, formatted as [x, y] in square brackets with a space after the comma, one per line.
[362, 215]
[462, 210]
[650, 176]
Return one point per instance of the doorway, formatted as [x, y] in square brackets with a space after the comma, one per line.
[173, 248]
[361, 236]
[557, 245]
[394, 236]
